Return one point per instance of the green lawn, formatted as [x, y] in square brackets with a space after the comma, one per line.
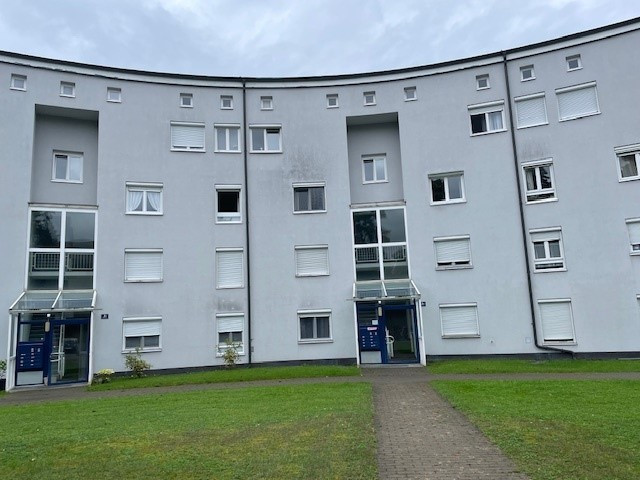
[230, 375]
[311, 431]
[570, 429]
[529, 366]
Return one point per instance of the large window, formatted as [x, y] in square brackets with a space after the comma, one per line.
[447, 188]
[187, 137]
[312, 260]
[143, 265]
[556, 317]
[228, 208]
[452, 252]
[141, 333]
[229, 268]
[308, 198]
[547, 250]
[144, 198]
[459, 320]
[67, 167]
[227, 138]
[315, 326]
[577, 101]
[487, 117]
[266, 139]
[531, 110]
[230, 328]
[538, 181]
[374, 169]
[628, 162]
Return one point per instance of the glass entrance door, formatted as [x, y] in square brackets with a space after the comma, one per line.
[69, 357]
[400, 331]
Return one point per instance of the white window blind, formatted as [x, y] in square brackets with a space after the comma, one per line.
[634, 236]
[556, 321]
[229, 273]
[459, 321]
[187, 136]
[143, 266]
[142, 328]
[455, 251]
[531, 111]
[577, 102]
[230, 323]
[312, 261]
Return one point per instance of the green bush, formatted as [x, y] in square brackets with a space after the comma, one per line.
[135, 363]
[231, 355]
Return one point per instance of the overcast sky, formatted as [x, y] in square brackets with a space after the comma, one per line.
[289, 37]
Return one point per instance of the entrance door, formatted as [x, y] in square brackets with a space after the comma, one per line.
[69, 357]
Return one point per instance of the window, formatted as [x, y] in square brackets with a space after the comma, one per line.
[459, 320]
[369, 98]
[547, 250]
[143, 265]
[578, 101]
[487, 118]
[332, 100]
[557, 320]
[315, 326]
[482, 82]
[633, 227]
[531, 110]
[266, 139]
[141, 333]
[227, 138]
[374, 169]
[447, 188]
[67, 167]
[628, 162]
[308, 198]
[144, 199]
[230, 271]
[114, 95]
[266, 103]
[452, 252]
[312, 260]
[18, 82]
[226, 102]
[186, 100]
[527, 73]
[230, 328]
[574, 62]
[410, 93]
[228, 204]
[538, 181]
[187, 136]
[67, 89]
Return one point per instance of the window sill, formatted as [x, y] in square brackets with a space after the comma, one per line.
[479, 134]
[550, 270]
[573, 69]
[265, 151]
[448, 202]
[58, 180]
[155, 280]
[369, 104]
[150, 214]
[374, 181]
[230, 288]
[471, 335]
[559, 342]
[234, 222]
[454, 267]
[546, 200]
[315, 340]
[304, 212]
[410, 99]
[527, 79]
[220, 355]
[18, 89]
[114, 101]
[634, 253]
[190, 150]
[307, 275]
[628, 179]
[141, 350]
[534, 125]
[67, 96]
[568, 119]
[227, 151]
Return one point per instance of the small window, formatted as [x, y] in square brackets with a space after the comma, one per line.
[531, 110]
[539, 182]
[266, 103]
[487, 118]
[229, 268]
[230, 328]
[67, 89]
[628, 162]
[374, 169]
[114, 95]
[332, 100]
[228, 204]
[482, 82]
[18, 82]
[369, 98]
[547, 250]
[67, 167]
[226, 102]
[556, 318]
[308, 198]
[227, 138]
[576, 102]
[527, 73]
[447, 188]
[315, 326]
[459, 320]
[312, 261]
[143, 265]
[633, 227]
[574, 62]
[187, 136]
[266, 139]
[144, 199]
[410, 93]
[186, 100]
[452, 252]
[141, 334]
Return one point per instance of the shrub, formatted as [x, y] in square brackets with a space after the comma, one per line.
[230, 355]
[135, 363]
[103, 376]
[3, 368]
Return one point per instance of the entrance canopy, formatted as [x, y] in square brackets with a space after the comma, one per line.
[385, 290]
[45, 301]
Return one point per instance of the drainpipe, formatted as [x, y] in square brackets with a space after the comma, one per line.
[523, 227]
[246, 210]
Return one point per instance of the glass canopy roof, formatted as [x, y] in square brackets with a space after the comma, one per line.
[385, 290]
[54, 301]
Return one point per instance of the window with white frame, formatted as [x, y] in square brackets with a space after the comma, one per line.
[18, 82]
[487, 118]
[144, 198]
[266, 139]
[548, 254]
[186, 100]
[556, 318]
[311, 260]
[143, 265]
[531, 110]
[227, 138]
[410, 93]
[228, 208]
[230, 328]
[266, 103]
[447, 188]
[574, 62]
[628, 162]
[527, 73]
[141, 333]
[187, 136]
[67, 89]
[633, 228]
[315, 326]
[332, 100]
[67, 167]
[459, 320]
[226, 102]
[229, 268]
[114, 95]
[577, 101]
[538, 181]
[308, 198]
[452, 252]
[369, 98]
[482, 82]
[374, 169]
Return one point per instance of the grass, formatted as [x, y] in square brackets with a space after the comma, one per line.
[529, 366]
[231, 375]
[557, 429]
[311, 431]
